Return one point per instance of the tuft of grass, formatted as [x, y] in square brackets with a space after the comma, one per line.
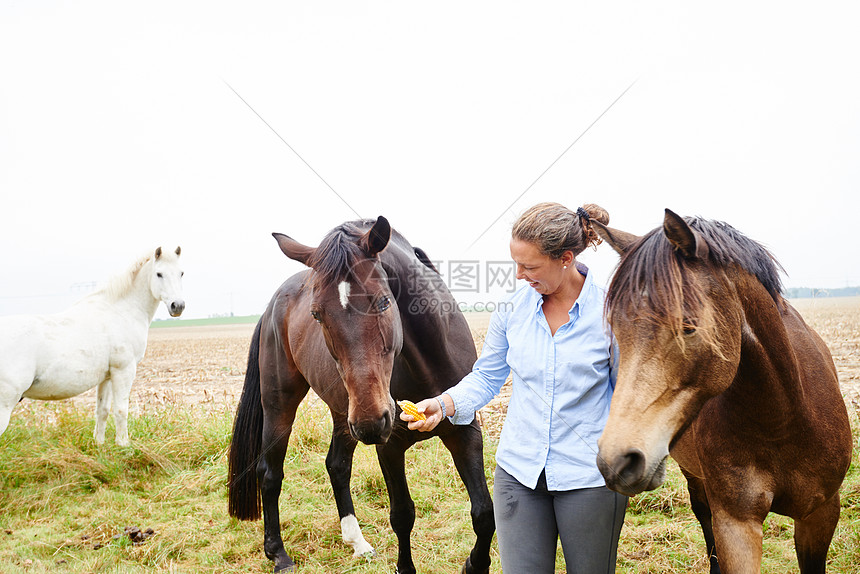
[65, 502]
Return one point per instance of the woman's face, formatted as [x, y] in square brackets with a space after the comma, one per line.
[543, 273]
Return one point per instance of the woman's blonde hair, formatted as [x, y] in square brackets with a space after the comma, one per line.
[556, 229]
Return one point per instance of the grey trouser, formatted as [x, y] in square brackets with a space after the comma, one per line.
[530, 522]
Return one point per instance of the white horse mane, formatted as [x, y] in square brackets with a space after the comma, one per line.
[121, 283]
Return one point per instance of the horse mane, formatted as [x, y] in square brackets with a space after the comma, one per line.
[425, 259]
[121, 283]
[652, 277]
[338, 252]
[729, 246]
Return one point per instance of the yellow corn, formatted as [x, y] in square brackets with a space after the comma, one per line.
[410, 409]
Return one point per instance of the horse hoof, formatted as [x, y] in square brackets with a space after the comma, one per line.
[469, 569]
[285, 566]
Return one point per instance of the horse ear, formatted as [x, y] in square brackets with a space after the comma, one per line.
[293, 249]
[617, 239]
[157, 252]
[683, 237]
[178, 250]
[376, 237]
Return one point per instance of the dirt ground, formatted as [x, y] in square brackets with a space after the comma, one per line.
[206, 365]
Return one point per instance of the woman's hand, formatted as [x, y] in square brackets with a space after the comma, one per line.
[431, 409]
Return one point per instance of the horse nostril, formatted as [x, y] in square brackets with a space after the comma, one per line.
[632, 465]
[176, 308]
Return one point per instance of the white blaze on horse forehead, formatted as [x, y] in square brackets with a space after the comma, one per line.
[343, 290]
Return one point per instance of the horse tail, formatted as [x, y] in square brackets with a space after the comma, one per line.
[247, 441]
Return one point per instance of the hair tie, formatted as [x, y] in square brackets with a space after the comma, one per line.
[583, 214]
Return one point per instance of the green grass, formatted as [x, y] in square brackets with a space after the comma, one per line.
[244, 319]
[64, 503]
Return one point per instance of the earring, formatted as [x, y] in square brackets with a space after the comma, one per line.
[564, 267]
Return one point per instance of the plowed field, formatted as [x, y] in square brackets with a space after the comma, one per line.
[206, 365]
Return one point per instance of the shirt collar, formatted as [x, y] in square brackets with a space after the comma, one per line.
[537, 298]
[586, 287]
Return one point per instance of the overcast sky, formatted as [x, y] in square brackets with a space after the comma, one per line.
[121, 130]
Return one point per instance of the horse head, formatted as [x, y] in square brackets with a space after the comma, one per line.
[352, 302]
[675, 312]
[166, 280]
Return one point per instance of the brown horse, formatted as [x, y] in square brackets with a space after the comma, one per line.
[370, 320]
[721, 372]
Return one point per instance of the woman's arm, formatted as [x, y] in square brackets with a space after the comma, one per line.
[476, 389]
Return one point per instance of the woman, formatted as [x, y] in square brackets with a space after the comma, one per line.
[555, 344]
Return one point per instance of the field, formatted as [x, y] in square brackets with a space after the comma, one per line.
[69, 506]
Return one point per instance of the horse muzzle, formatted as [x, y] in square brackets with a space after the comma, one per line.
[175, 307]
[374, 431]
[629, 472]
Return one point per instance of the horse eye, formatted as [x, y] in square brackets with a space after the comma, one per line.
[317, 317]
[158, 275]
[689, 328]
[383, 304]
[182, 273]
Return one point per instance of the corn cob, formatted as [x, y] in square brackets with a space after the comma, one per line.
[410, 409]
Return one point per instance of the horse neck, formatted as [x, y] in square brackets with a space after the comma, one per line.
[768, 376]
[138, 299]
[431, 337]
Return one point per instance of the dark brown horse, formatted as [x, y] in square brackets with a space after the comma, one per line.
[370, 322]
[721, 372]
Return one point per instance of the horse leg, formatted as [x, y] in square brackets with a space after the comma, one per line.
[279, 415]
[6, 407]
[392, 461]
[467, 450]
[702, 510]
[338, 463]
[10, 395]
[812, 536]
[270, 475]
[120, 382]
[739, 541]
[103, 403]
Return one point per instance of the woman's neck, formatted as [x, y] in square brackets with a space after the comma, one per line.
[557, 305]
[568, 290]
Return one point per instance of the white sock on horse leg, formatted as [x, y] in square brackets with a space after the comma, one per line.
[351, 532]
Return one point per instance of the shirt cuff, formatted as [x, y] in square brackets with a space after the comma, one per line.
[464, 410]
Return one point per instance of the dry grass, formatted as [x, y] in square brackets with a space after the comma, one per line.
[838, 322]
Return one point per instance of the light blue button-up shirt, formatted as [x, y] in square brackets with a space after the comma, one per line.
[562, 386]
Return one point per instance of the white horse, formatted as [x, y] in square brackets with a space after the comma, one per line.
[98, 341]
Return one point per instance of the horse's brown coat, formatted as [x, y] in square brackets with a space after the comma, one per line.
[395, 333]
[726, 376]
